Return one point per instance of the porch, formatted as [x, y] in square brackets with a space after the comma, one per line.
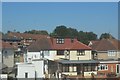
[81, 68]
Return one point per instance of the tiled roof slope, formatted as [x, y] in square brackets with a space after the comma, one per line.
[26, 35]
[40, 44]
[50, 44]
[69, 45]
[106, 44]
[6, 45]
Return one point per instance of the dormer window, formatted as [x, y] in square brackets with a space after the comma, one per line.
[60, 41]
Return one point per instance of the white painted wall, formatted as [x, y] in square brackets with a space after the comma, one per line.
[33, 55]
[87, 56]
[52, 55]
[3, 76]
[39, 68]
[25, 68]
[35, 69]
[36, 55]
[89, 73]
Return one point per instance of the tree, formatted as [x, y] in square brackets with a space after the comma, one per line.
[8, 31]
[85, 37]
[60, 31]
[42, 32]
[106, 36]
[72, 32]
[63, 31]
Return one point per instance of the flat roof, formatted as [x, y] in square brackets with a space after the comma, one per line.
[77, 61]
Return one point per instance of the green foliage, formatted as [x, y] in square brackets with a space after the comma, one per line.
[42, 32]
[85, 37]
[63, 31]
[60, 31]
[106, 36]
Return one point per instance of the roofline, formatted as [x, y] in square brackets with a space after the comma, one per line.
[64, 37]
[111, 61]
[57, 49]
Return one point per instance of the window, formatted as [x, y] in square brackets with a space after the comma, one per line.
[117, 68]
[80, 52]
[46, 53]
[26, 75]
[66, 68]
[10, 43]
[73, 68]
[5, 52]
[18, 43]
[60, 52]
[60, 41]
[111, 53]
[103, 67]
[35, 56]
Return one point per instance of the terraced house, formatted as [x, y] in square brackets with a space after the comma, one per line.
[107, 51]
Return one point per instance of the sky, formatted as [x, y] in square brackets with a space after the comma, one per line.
[98, 17]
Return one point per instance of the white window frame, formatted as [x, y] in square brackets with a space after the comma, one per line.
[47, 53]
[60, 41]
[103, 65]
[112, 52]
[80, 52]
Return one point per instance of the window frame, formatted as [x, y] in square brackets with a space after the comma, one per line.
[59, 52]
[117, 68]
[80, 52]
[102, 67]
[60, 40]
[112, 53]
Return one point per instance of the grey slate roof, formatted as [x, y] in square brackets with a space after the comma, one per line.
[77, 61]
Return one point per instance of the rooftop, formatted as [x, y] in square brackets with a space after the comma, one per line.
[77, 61]
[105, 45]
[49, 43]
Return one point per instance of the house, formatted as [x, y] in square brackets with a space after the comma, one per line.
[107, 52]
[106, 49]
[26, 38]
[7, 54]
[78, 68]
[36, 69]
[109, 68]
[59, 48]
[71, 55]
[20, 41]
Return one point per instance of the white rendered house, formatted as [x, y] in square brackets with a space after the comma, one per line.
[35, 69]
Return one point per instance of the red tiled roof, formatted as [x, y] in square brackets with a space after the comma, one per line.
[50, 43]
[69, 45]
